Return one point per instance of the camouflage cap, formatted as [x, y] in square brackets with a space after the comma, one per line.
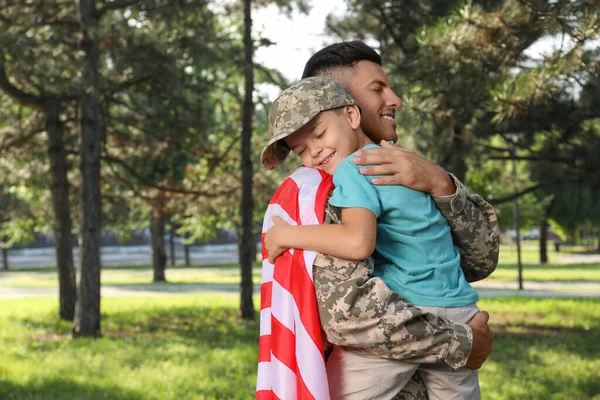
[295, 107]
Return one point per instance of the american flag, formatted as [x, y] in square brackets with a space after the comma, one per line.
[291, 364]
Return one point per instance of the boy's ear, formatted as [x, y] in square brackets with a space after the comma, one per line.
[353, 114]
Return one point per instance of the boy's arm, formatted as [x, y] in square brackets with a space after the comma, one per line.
[474, 227]
[359, 311]
[353, 239]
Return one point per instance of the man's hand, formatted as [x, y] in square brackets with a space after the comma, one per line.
[405, 167]
[272, 239]
[482, 340]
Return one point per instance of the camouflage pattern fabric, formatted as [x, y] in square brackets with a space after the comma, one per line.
[414, 390]
[474, 227]
[357, 310]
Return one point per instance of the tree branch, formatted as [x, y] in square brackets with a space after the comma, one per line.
[173, 189]
[513, 196]
[18, 95]
[10, 138]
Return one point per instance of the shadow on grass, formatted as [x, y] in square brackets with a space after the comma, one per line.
[525, 356]
[55, 389]
[214, 326]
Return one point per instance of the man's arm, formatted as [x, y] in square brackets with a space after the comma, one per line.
[474, 227]
[472, 220]
[357, 310]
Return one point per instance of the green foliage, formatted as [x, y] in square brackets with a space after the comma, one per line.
[469, 86]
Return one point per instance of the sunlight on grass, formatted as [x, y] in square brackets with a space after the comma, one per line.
[168, 348]
[544, 349]
[193, 347]
[548, 272]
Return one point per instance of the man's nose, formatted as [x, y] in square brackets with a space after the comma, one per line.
[392, 99]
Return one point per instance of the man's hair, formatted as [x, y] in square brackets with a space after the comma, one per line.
[339, 55]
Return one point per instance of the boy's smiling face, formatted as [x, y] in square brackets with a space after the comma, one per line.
[329, 138]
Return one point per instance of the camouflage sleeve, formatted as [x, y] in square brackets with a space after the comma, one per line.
[474, 228]
[357, 310]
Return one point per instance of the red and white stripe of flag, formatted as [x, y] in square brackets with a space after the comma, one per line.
[291, 365]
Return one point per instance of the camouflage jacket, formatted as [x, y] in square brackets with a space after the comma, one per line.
[357, 310]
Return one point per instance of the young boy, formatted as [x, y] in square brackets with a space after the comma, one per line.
[409, 238]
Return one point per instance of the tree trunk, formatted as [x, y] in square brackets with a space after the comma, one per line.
[544, 240]
[59, 189]
[87, 317]
[457, 164]
[172, 245]
[5, 258]
[159, 258]
[544, 233]
[186, 252]
[246, 245]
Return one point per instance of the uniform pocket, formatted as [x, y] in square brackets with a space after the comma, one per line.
[340, 268]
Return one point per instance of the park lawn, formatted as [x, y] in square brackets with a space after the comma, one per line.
[530, 254]
[193, 347]
[184, 347]
[589, 272]
[130, 275]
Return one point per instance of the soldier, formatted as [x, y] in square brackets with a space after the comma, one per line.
[360, 312]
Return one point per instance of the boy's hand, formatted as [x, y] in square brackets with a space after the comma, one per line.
[273, 239]
[405, 167]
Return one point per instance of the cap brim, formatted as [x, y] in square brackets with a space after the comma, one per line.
[274, 153]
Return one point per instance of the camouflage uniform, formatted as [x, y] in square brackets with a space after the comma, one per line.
[357, 310]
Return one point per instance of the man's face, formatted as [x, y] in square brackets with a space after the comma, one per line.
[371, 88]
[329, 138]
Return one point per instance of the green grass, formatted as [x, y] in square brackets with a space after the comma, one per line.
[530, 252]
[544, 349]
[163, 348]
[193, 347]
[547, 273]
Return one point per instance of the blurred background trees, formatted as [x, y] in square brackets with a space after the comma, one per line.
[145, 114]
[475, 97]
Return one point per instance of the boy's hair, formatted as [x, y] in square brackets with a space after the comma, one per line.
[339, 55]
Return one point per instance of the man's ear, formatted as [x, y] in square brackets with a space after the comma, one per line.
[353, 114]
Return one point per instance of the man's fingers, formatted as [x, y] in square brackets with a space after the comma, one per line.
[383, 169]
[386, 144]
[386, 180]
[376, 156]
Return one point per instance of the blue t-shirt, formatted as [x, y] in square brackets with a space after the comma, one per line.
[414, 253]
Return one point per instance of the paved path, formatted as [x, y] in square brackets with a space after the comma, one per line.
[579, 258]
[485, 289]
